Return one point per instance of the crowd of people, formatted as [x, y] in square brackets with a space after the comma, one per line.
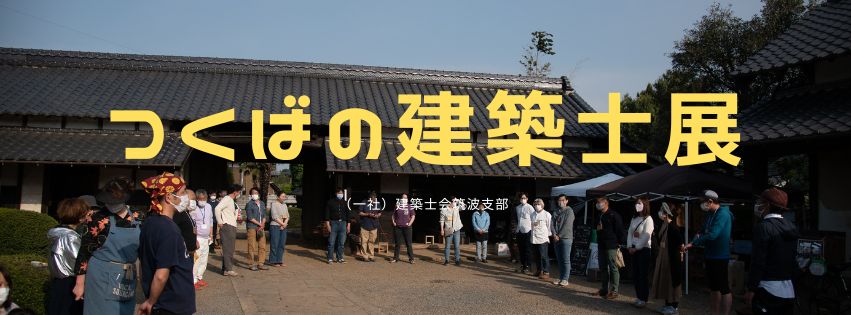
[96, 246]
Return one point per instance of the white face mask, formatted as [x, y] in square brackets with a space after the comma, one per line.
[705, 206]
[4, 294]
[562, 204]
[184, 203]
[192, 205]
[523, 201]
[340, 196]
[255, 197]
[212, 197]
[599, 206]
[202, 203]
[539, 208]
[661, 215]
[639, 207]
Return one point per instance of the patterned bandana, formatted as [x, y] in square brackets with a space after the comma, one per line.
[161, 185]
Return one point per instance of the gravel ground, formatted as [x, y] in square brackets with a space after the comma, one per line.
[309, 285]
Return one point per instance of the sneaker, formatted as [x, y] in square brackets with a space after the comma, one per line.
[393, 260]
[639, 303]
[342, 261]
[544, 276]
[330, 261]
[457, 262]
[445, 262]
[253, 268]
[198, 286]
[484, 261]
[671, 311]
[411, 261]
[203, 283]
[663, 309]
[230, 273]
[561, 283]
[263, 267]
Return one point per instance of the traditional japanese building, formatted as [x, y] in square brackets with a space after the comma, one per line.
[808, 125]
[57, 139]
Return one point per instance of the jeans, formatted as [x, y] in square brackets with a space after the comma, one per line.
[562, 249]
[609, 272]
[482, 250]
[524, 245]
[455, 238]
[401, 232]
[336, 239]
[543, 264]
[228, 236]
[277, 244]
[641, 273]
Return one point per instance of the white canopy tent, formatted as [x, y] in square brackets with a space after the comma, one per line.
[578, 189]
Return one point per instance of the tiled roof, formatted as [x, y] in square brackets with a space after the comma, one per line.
[86, 84]
[570, 167]
[822, 33]
[102, 147]
[808, 112]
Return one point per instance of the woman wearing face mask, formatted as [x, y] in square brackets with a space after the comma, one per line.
[64, 245]
[667, 275]
[638, 245]
[109, 247]
[6, 304]
[255, 212]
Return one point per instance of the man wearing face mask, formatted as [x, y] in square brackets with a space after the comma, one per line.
[166, 264]
[715, 237]
[770, 289]
[226, 216]
[337, 223]
[108, 248]
[255, 221]
[610, 237]
[183, 219]
[523, 212]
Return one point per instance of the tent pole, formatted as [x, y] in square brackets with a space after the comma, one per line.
[686, 224]
[585, 217]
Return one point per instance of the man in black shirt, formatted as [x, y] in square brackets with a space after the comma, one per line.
[610, 236]
[337, 223]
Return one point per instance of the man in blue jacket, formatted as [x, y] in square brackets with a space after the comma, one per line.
[715, 238]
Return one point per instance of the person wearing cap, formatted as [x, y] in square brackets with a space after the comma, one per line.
[108, 246]
[166, 264]
[667, 274]
[770, 289]
[715, 237]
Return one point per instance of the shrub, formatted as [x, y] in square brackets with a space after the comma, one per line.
[29, 284]
[24, 232]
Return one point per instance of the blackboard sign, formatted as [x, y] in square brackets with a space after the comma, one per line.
[581, 251]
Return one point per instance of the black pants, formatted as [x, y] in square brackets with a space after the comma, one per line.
[641, 273]
[765, 303]
[524, 245]
[61, 297]
[716, 272]
[400, 233]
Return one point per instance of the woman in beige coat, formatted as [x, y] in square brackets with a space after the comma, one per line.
[667, 277]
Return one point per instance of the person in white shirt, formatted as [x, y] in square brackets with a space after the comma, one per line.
[638, 245]
[542, 229]
[450, 230]
[203, 217]
[226, 216]
[524, 228]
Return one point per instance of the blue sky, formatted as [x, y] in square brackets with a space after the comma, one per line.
[603, 46]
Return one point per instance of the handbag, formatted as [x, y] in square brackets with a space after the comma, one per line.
[619, 259]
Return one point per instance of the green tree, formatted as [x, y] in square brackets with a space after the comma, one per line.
[704, 60]
[542, 43]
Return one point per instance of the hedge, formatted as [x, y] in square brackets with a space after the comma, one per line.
[24, 232]
[29, 284]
